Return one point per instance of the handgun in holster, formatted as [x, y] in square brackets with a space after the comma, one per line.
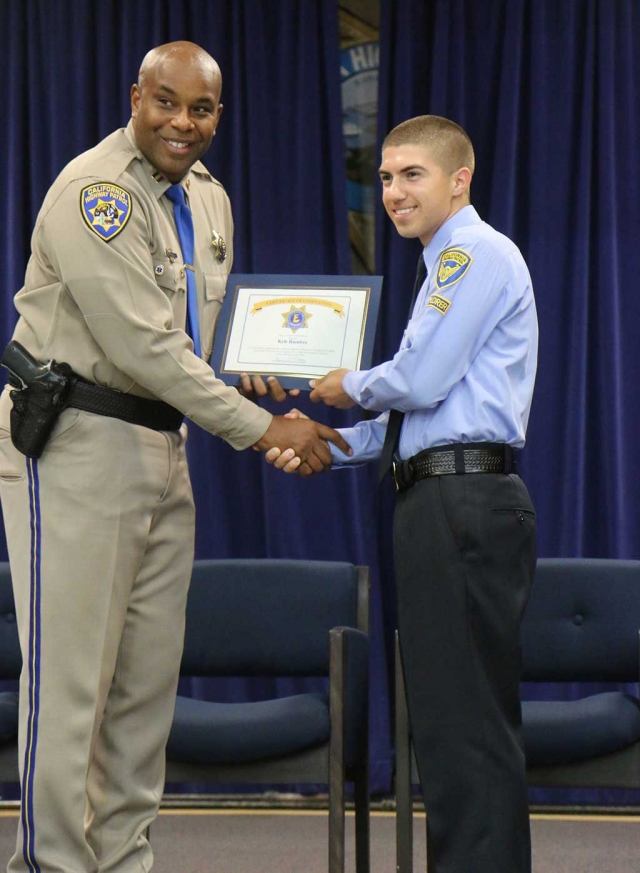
[40, 393]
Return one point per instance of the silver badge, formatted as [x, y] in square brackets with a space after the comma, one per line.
[219, 246]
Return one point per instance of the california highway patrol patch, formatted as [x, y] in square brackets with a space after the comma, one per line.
[106, 209]
[452, 266]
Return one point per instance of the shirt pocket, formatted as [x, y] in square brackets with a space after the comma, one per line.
[170, 276]
[215, 287]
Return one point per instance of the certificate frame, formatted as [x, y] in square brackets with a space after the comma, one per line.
[352, 301]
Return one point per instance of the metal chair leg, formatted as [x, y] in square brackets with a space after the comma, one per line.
[363, 835]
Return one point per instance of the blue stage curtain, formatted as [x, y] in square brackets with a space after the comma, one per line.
[280, 155]
[549, 92]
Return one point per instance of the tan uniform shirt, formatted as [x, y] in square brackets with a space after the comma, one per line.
[115, 309]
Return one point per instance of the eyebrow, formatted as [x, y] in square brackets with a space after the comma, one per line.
[173, 93]
[381, 171]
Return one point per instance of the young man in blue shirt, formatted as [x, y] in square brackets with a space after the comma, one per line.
[454, 403]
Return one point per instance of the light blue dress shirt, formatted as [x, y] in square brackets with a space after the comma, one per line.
[465, 374]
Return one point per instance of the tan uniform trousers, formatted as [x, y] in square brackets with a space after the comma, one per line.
[100, 533]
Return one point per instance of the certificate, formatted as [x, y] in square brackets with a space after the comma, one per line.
[295, 327]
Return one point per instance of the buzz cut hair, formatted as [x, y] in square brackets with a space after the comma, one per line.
[449, 145]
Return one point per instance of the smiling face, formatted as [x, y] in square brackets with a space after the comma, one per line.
[176, 108]
[418, 194]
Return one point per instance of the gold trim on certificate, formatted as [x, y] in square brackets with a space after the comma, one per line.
[295, 331]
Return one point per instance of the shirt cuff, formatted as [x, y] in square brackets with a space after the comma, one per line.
[351, 383]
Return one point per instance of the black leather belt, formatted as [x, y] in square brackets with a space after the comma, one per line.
[154, 414]
[451, 459]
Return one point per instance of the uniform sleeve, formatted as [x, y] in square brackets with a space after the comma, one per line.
[441, 340]
[131, 319]
[365, 438]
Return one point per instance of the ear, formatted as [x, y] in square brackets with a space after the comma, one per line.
[135, 100]
[461, 181]
[218, 114]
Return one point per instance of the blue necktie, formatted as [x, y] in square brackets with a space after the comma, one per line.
[184, 226]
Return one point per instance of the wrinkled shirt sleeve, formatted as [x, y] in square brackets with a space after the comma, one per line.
[438, 349]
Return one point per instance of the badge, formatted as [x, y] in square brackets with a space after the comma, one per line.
[219, 246]
[159, 270]
[171, 255]
[296, 318]
[452, 266]
[106, 209]
[439, 303]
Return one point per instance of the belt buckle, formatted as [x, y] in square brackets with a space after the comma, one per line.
[394, 473]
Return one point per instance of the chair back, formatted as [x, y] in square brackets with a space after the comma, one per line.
[582, 621]
[10, 657]
[268, 617]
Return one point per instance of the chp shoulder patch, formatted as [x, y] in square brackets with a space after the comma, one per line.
[439, 303]
[452, 266]
[106, 209]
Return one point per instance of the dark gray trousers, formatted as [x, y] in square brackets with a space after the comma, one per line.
[465, 552]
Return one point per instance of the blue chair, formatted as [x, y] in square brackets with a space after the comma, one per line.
[582, 624]
[10, 666]
[276, 618]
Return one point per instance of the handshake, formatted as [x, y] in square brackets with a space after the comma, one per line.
[306, 441]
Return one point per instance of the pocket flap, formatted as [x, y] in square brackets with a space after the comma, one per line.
[215, 287]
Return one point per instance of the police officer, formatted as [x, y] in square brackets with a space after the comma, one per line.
[100, 528]
[460, 388]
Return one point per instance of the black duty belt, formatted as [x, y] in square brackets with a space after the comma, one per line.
[154, 414]
[451, 459]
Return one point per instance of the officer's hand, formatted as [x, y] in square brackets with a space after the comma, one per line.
[285, 460]
[308, 440]
[254, 387]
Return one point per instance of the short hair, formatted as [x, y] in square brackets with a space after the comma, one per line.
[188, 53]
[447, 142]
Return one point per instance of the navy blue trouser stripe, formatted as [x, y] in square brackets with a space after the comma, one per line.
[33, 669]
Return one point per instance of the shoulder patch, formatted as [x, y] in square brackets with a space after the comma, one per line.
[439, 303]
[106, 209]
[452, 266]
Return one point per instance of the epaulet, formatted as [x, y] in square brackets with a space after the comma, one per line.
[107, 161]
[201, 171]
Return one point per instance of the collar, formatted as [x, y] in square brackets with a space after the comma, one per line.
[463, 218]
[157, 182]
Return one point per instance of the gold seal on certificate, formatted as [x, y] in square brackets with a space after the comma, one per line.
[296, 327]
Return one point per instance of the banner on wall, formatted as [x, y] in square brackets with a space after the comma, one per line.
[359, 83]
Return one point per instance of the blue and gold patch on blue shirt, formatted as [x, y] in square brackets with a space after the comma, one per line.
[106, 209]
[437, 301]
[452, 266]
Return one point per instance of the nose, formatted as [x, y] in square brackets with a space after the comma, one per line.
[394, 190]
[181, 120]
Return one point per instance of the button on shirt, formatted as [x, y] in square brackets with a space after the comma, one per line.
[465, 375]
